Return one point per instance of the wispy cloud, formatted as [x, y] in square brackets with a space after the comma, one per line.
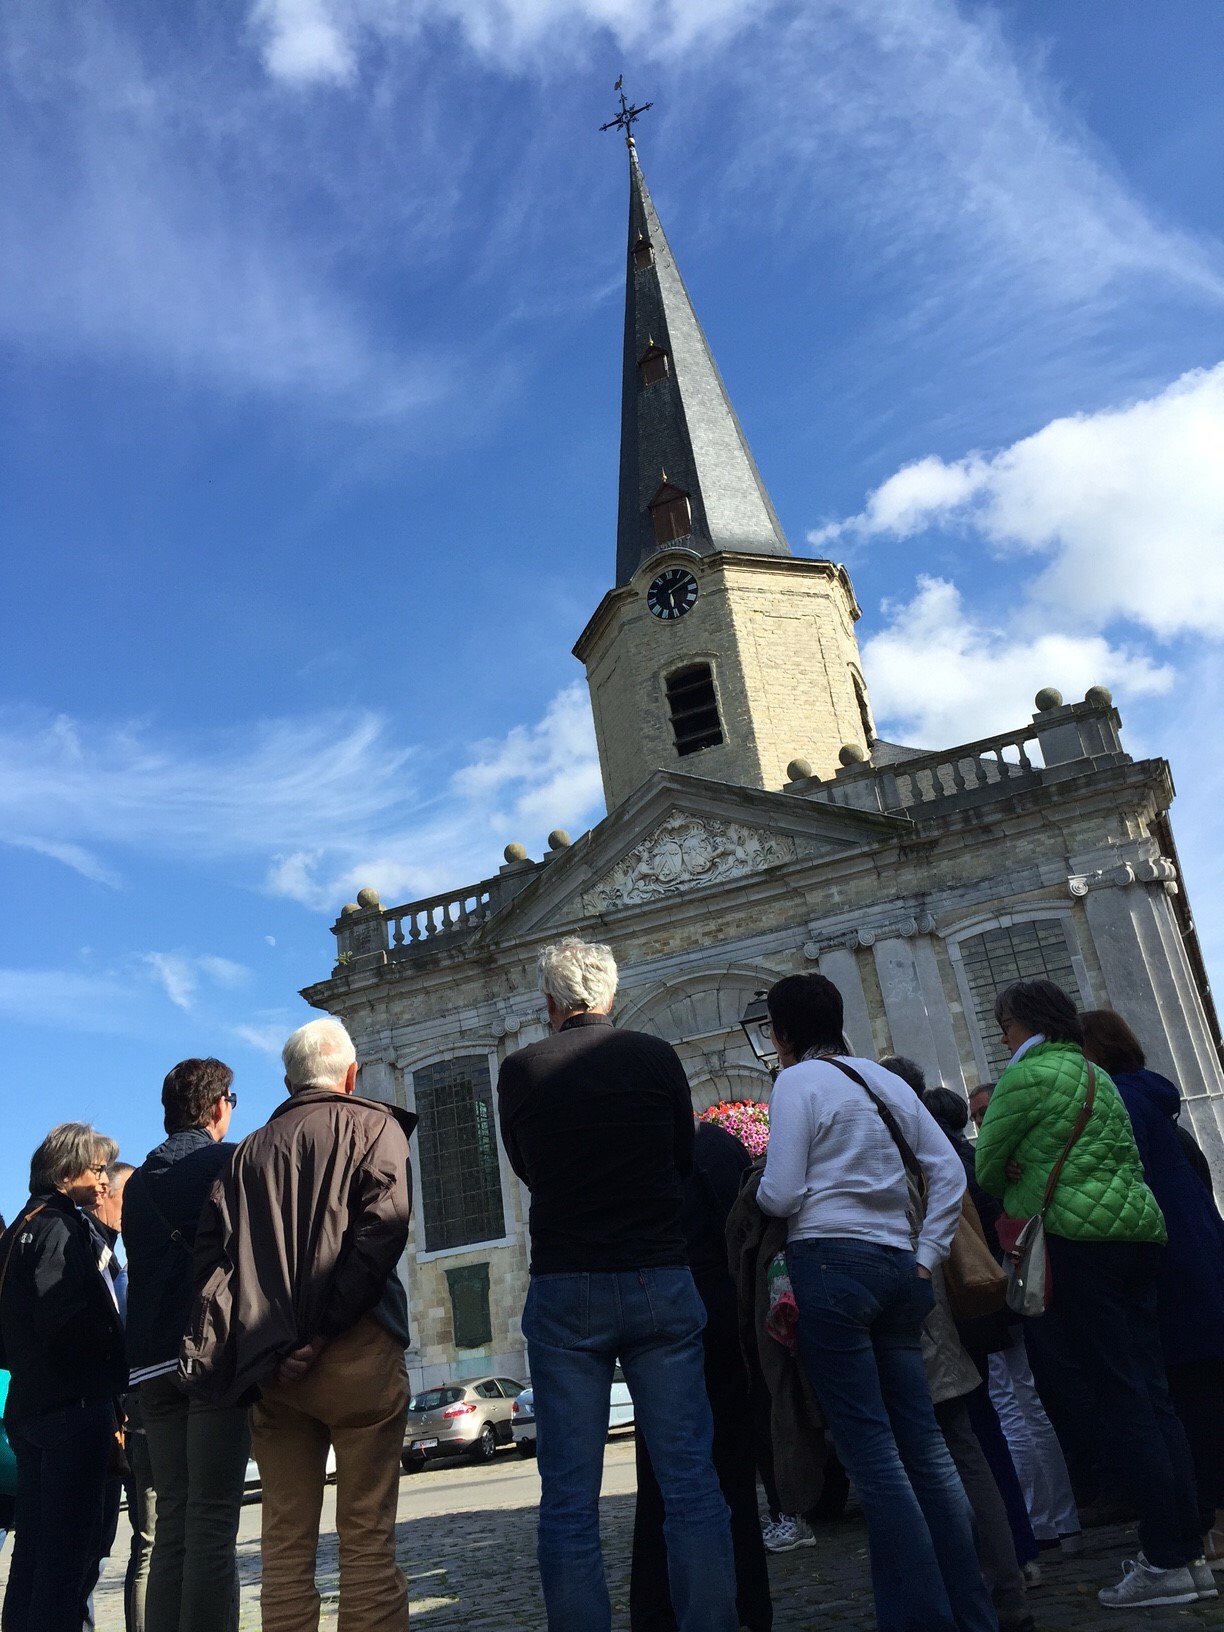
[77, 1000]
[1125, 508]
[310, 809]
[179, 974]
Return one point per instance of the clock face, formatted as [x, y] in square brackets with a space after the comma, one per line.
[672, 594]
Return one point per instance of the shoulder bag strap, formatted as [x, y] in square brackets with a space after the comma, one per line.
[175, 1235]
[910, 1161]
[20, 1223]
[1081, 1122]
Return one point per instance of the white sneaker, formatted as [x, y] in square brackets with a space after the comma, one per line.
[1032, 1573]
[791, 1531]
[1143, 1584]
[1204, 1582]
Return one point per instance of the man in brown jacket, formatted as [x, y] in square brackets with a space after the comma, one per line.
[299, 1308]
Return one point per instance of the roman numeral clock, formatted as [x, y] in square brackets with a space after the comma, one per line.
[672, 594]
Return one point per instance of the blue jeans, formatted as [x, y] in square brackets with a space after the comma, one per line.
[577, 1326]
[861, 1309]
[58, 1514]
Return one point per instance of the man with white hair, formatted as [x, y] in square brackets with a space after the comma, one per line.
[300, 1313]
[598, 1124]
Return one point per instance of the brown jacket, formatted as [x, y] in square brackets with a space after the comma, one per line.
[795, 1423]
[297, 1239]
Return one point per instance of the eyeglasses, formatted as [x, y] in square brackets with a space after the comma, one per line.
[98, 1169]
[766, 1028]
[231, 1100]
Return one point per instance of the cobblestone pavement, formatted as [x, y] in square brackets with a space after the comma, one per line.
[466, 1542]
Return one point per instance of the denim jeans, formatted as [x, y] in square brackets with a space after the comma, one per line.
[577, 1326]
[861, 1309]
[1105, 1295]
[61, 1482]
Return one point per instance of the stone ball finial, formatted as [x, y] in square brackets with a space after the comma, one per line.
[852, 754]
[368, 898]
[798, 770]
[1099, 696]
[558, 839]
[515, 852]
[1047, 698]
[348, 909]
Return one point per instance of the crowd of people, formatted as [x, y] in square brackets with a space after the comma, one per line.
[869, 1306]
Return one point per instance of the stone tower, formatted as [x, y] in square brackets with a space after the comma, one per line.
[719, 653]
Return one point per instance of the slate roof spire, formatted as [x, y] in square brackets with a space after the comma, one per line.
[676, 417]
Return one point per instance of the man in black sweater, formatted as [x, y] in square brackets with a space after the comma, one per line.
[598, 1124]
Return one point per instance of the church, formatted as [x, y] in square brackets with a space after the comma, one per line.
[757, 826]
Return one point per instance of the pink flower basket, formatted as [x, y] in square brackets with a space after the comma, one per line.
[747, 1119]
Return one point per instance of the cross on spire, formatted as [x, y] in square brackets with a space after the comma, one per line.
[625, 118]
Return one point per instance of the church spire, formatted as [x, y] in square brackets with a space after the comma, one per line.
[687, 474]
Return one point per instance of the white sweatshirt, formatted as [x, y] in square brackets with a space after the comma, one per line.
[833, 1168]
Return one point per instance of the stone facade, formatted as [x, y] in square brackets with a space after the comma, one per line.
[918, 887]
[778, 634]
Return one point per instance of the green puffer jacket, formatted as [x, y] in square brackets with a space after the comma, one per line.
[1101, 1195]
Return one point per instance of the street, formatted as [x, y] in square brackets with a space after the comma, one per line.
[467, 1546]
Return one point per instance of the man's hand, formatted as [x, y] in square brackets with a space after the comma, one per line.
[1013, 1172]
[298, 1362]
[924, 1273]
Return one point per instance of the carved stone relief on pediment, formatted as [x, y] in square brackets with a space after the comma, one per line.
[686, 850]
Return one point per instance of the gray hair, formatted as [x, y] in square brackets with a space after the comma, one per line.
[318, 1055]
[68, 1151]
[578, 974]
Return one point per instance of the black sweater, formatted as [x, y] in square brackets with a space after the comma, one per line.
[598, 1124]
[60, 1328]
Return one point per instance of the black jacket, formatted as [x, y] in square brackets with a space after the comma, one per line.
[173, 1182]
[598, 1124]
[60, 1328]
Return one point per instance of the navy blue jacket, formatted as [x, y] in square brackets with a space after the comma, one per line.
[1191, 1286]
[173, 1182]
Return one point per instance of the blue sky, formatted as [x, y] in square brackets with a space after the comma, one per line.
[310, 316]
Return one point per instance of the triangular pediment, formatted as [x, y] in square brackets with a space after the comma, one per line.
[679, 835]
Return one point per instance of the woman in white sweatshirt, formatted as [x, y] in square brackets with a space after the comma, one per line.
[860, 1255]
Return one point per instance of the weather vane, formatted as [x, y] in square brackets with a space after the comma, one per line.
[626, 116]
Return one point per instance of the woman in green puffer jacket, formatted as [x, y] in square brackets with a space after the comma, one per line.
[1105, 1236]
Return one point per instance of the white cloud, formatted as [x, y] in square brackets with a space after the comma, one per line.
[179, 974]
[319, 40]
[265, 1036]
[1127, 505]
[76, 856]
[313, 809]
[938, 675]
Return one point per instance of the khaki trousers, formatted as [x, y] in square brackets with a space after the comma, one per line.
[354, 1397]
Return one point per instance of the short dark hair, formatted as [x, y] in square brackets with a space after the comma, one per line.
[950, 1109]
[1110, 1043]
[807, 1011]
[908, 1070]
[1040, 1005]
[191, 1090]
[986, 1088]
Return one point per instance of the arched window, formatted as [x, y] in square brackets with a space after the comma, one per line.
[694, 709]
[1036, 950]
[461, 1197]
[671, 513]
[642, 253]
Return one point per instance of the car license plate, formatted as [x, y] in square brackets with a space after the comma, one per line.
[424, 1444]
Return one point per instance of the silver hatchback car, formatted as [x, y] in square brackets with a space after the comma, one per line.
[459, 1419]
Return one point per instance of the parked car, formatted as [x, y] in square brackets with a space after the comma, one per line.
[459, 1419]
[252, 1480]
[522, 1414]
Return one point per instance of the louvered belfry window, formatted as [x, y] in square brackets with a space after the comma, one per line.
[694, 709]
